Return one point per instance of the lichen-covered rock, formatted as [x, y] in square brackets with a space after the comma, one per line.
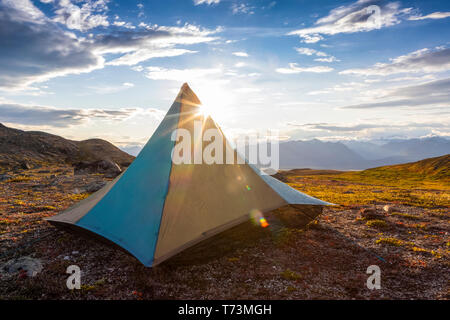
[23, 264]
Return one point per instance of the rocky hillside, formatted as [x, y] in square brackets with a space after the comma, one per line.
[30, 148]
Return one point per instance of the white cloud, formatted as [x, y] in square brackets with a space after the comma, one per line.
[327, 59]
[434, 15]
[408, 78]
[363, 15]
[56, 117]
[307, 38]
[208, 2]
[324, 56]
[306, 51]
[424, 60]
[137, 68]
[430, 94]
[108, 89]
[138, 56]
[124, 24]
[343, 87]
[240, 54]
[294, 68]
[43, 50]
[158, 73]
[242, 8]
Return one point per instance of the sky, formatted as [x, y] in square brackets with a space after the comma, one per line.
[332, 70]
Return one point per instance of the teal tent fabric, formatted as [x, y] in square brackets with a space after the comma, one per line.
[144, 185]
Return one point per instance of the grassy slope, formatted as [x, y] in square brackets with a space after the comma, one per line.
[423, 183]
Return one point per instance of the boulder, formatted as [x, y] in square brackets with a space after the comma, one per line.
[94, 186]
[388, 209]
[26, 264]
[25, 165]
[108, 167]
[370, 213]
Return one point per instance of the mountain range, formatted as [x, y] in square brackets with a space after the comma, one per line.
[358, 155]
[17, 146]
[34, 147]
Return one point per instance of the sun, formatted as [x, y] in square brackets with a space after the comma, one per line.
[216, 100]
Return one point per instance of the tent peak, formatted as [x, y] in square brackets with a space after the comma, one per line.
[188, 96]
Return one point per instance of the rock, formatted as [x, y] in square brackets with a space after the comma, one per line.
[108, 167]
[377, 191]
[280, 177]
[94, 186]
[25, 165]
[370, 213]
[23, 264]
[76, 191]
[44, 171]
[348, 192]
[4, 177]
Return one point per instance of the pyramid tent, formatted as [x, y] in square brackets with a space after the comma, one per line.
[156, 209]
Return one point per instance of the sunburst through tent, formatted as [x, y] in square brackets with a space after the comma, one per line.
[158, 208]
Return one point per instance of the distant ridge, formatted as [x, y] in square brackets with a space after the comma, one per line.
[34, 147]
[358, 155]
[437, 168]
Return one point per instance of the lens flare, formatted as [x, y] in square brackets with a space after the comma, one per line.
[258, 219]
[263, 222]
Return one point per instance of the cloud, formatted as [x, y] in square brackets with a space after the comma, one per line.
[208, 2]
[34, 48]
[240, 54]
[430, 94]
[124, 24]
[327, 59]
[90, 15]
[111, 88]
[309, 52]
[50, 116]
[361, 16]
[241, 8]
[369, 130]
[343, 87]
[424, 60]
[324, 56]
[294, 68]
[157, 73]
[434, 15]
[152, 42]
[248, 90]
[138, 56]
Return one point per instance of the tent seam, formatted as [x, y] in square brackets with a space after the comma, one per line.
[165, 196]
